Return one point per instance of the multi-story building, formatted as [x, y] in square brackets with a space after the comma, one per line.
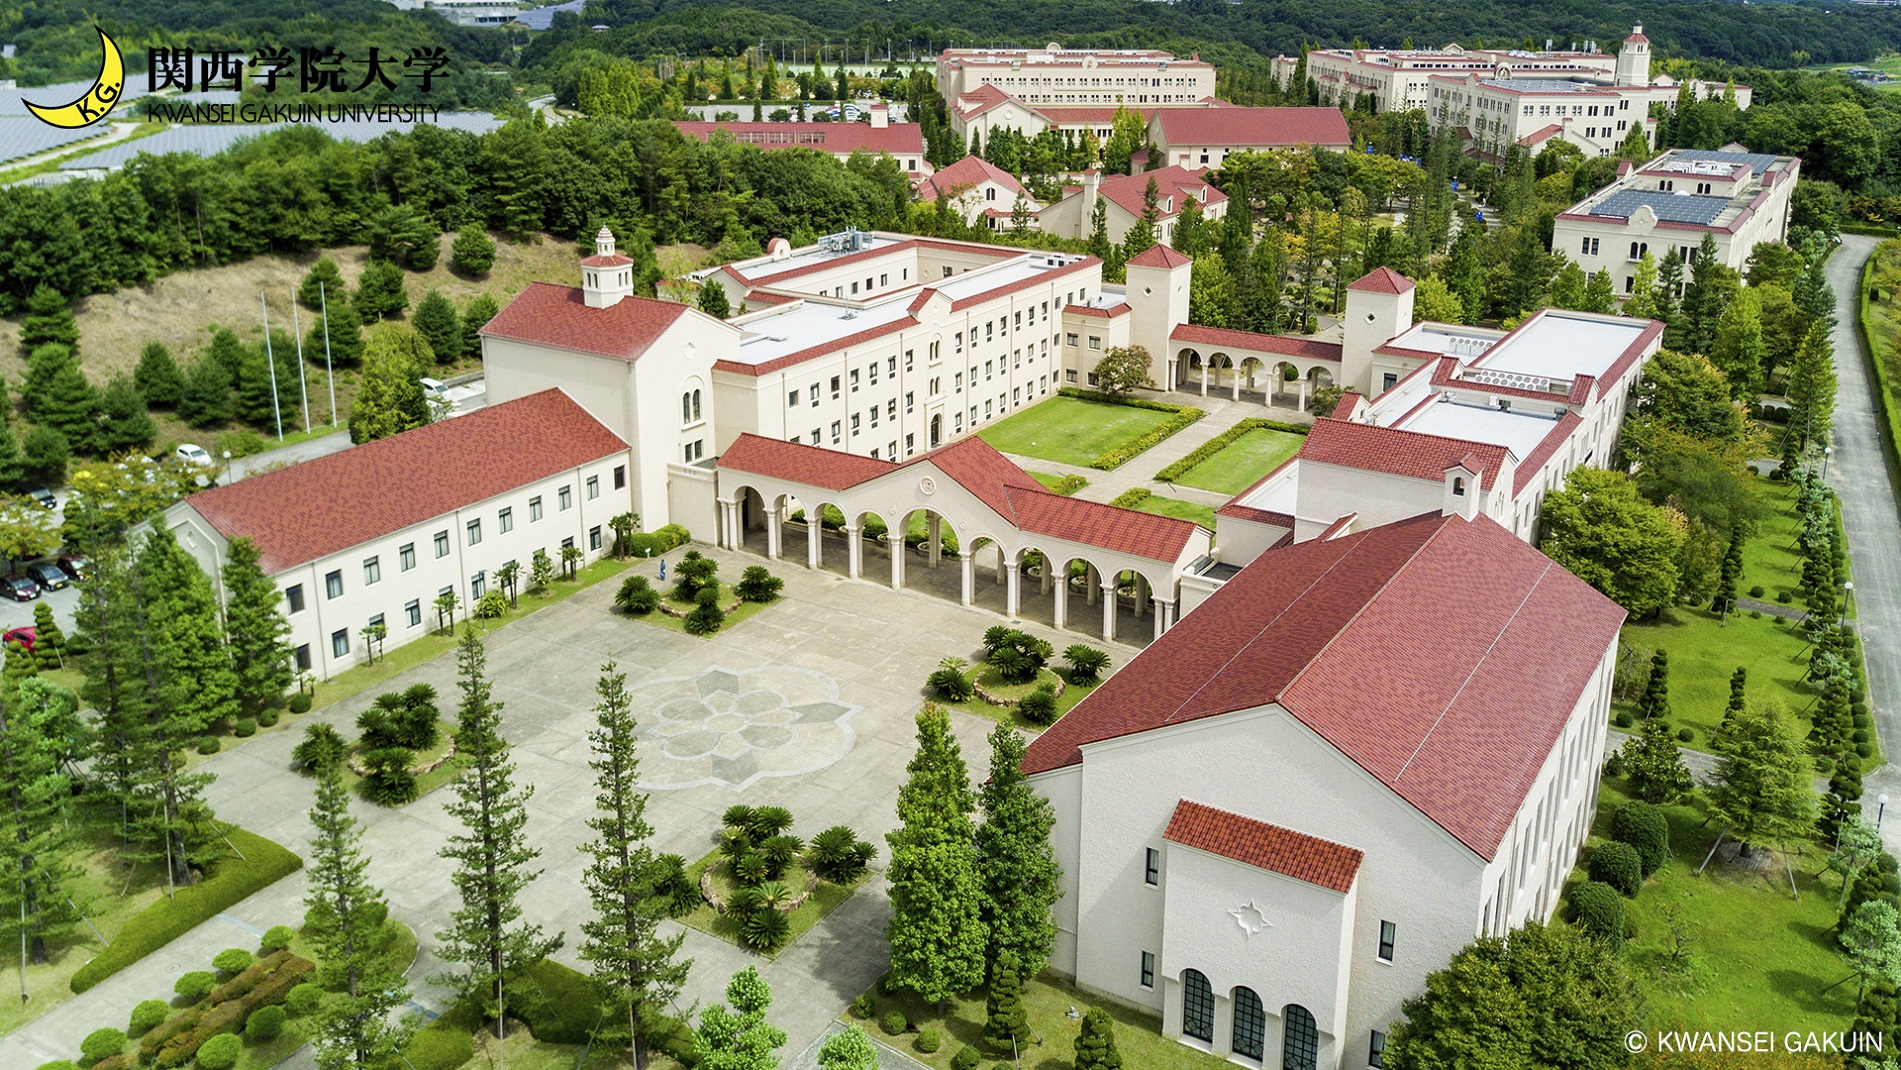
[903, 142]
[1493, 114]
[1738, 199]
[1175, 187]
[986, 109]
[1071, 76]
[1397, 79]
[978, 190]
[1203, 137]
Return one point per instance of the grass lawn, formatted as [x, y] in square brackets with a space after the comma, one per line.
[433, 779]
[981, 673]
[1244, 462]
[521, 1051]
[1139, 1038]
[1071, 430]
[1770, 559]
[1057, 484]
[413, 653]
[1179, 509]
[824, 899]
[1759, 958]
[109, 900]
[678, 624]
[1703, 654]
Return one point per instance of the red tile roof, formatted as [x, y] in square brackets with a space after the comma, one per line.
[1312, 348]
[1250, 127]
[323, 506]
[1397, 452]
[1074, 115]
[1528, 468]
[1091, 310]
[1382, 280]
[1442, 655]
[610, 260]
[551, 315]
[1159, 256]
[1271, 847]
[965, 173]
[975, 465]
[1127, 191]
[898, 139]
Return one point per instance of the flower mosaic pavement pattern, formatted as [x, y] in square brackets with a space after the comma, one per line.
[731, 728]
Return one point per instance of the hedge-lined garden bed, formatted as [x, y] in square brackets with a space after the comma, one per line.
[232, 878]
[1233, 460]
[1088, 428]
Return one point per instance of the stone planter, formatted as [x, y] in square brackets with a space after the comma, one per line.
[1011, 703]
[425, 769]
[681, 614]
[710, 892]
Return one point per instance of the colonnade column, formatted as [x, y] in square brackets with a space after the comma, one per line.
[1062, 604]
[1108, 607]
[854, 552]
[934, 526]
[814, 549]
[775, 534]
[1013, 589]
[896, 547]
[1141, 595]
[968, 563]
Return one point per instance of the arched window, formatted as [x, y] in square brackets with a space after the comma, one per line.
[1250, 1024]
[696, 404]
[1300, 1050]
[1458, 486]
[686, 408]
[1198, 1006]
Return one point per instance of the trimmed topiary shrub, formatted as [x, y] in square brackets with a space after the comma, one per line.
[209, 745]
[299, 703]
[1617, 865]
[893, 1023]
[927, 1040]
[1623, 719]
[445, 1043]
[244, 728]
[232, 961]
[1039, 706]
[758, 585]
[267, 718]
[1686, 735]
[148, 1014]
[863, 1007]
[1784, 597]
[264, 1024]
[276, 938]
[195, 985]
[101, 1043]
[1756, 591]
[220, 1052]
[1644, 827]
[967, 1058]
[1598, 909]
[672, 535]
[303, 999]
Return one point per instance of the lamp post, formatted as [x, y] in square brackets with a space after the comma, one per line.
[227, 466]
[1848, 591]
[1881, 804]
[1827, 452]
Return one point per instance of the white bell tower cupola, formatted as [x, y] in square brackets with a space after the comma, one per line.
[1633, 60]
[607, 276]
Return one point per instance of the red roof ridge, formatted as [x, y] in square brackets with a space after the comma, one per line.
[1264, 845]
[1382, 280]
[1161, 256]
[548, 314]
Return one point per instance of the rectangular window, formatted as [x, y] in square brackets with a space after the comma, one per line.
[1387, 932]
[791, 399]
[835, 434]
[891, 365]
[1070, 339]
[882, 277]
[854, 380]
[874, 416]
[1152, 871]
[566, 498]
[478, 586]
[303, 657]
[413, 612]
[815, 436]
[475, 531]
[873, 368]
[910, 444]
[891, 409]
[333, 584]
[1095, 342]
[593, 487]
[854, 423]
[694, 451]
[1389, 380]
[567, 542]
[534, 508]
[294, 597]
[372, 570]
[340, 643]
[620, 470]
[506, 518]
[1148, 969]
[957, 342]
[834, 387]
[1376, 1049]
[406, 557]
[908, 405]
[988, 374]
[990, 331]
[377, 621]
[442, 544]
[907, 360]
[594, 537]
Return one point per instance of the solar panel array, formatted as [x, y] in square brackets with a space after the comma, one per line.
[1758, 161]
[1670, 207]
[542, 18]
[21, 135]
[209, 139]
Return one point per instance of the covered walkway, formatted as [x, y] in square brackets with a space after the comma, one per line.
[1282, 370]
[965, 504]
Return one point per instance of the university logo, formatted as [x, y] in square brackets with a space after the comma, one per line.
[96, 102]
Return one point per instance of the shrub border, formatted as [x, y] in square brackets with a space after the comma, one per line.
[1208, 449]
[1184, 415]
[1132, 498]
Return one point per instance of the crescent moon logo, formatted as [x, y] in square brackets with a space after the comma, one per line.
[96, 102]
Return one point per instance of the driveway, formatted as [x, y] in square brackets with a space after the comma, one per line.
[809, 705]
[1860, 474]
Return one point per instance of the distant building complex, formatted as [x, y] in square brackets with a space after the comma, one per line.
[903, 142]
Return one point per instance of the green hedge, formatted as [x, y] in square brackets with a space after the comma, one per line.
[1115, 458]
[1870, 230]
[445, 1043]
[1131, 498]
[566, 1007]
[231, 880]
[1222, 441]
[176, 1041]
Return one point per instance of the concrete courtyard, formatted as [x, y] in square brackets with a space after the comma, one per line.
[809, 705]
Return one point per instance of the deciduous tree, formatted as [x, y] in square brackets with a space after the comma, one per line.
[1603, 530]
[937, 934]
[1122, 369]
[389, 394]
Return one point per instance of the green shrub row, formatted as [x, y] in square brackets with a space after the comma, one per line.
[657, 542]
[231, 880]
[176, 1041]
[1131, 498]
[1118, 399]
[1069, 485]
[566, 1012]
[566, 1008]
[1221, 442]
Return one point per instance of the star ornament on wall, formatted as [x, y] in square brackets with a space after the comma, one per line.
[1251, 919]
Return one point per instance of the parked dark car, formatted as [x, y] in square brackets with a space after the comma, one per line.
[43, 496]
[26, 637]
[19, 588]
[48, 575]
[77, 566]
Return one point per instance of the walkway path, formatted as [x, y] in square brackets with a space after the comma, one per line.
[1223, 413]
[1860, 473]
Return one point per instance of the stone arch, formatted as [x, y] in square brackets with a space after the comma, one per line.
[1187, 365]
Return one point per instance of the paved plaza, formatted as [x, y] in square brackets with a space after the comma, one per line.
[809, 705]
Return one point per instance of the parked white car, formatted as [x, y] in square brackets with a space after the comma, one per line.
[192, 454]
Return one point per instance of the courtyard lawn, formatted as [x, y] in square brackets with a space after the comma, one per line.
[981, 673]
[678, 624]
[1703, 653]
[1758, 959]
[1071, 430]
[1770, 558]
[435, 778]
[1139, 1038]
[824, 899]
[1244, 462]
[1179, 509]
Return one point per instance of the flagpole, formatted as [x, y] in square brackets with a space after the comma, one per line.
[328, 374]
[297, 328]
[271, 359]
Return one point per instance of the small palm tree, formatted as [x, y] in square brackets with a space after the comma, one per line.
[768, 821]
[771, 895]
[509, 576]
[571, 561]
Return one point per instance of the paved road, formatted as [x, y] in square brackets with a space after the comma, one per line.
[1860, 473]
